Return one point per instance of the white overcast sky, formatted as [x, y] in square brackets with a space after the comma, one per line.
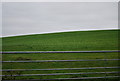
[21, 18]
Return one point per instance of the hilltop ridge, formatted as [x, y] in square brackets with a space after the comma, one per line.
[64, 41]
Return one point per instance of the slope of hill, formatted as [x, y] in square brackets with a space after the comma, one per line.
[68, 41]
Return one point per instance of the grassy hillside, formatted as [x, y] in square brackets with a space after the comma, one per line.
[67, 41]
[78, 40]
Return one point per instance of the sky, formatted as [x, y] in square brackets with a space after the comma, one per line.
[60, 0]
[22, 18]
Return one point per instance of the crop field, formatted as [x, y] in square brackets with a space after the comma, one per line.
[65, 41]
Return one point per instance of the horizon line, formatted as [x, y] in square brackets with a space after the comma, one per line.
[55, 32]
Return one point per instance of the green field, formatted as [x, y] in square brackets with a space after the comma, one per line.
[66, 41]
